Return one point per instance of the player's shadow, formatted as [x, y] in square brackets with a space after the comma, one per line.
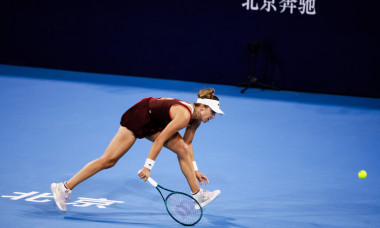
[126, 218]
[50, 212]
[136, 218]
[221, 221]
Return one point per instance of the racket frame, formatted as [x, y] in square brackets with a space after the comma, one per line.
[157, 186]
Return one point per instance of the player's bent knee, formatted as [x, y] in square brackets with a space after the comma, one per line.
[183, 151]
[107, 163]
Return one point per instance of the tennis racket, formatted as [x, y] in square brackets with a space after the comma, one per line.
[180, 206]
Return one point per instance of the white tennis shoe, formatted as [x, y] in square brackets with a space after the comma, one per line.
[61, 195]
[205, 197]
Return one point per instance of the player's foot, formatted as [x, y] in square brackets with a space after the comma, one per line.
[205, 197]
[61, 195]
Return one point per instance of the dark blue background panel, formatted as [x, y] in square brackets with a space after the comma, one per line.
[334, 51]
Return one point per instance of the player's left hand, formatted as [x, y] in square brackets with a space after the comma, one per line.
[201, 178]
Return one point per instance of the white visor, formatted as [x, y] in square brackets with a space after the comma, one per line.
[213, 104]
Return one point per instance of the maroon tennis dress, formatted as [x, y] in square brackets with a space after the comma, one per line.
[150, 115]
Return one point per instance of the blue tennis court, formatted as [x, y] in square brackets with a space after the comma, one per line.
[281, 159]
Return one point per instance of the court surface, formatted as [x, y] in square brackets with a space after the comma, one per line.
[281, 159]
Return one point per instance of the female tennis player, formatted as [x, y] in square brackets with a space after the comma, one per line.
[158, 120]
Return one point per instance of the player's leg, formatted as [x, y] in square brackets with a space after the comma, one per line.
[120, 144]
[178, 146]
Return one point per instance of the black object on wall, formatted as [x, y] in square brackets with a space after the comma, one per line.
[333, 51]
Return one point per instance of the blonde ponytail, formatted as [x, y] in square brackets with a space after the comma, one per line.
[207, 94]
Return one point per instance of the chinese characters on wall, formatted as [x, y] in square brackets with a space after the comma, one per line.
[304, 7]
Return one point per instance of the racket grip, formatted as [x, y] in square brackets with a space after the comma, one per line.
[151, 181]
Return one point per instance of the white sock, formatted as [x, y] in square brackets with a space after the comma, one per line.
[196, 192]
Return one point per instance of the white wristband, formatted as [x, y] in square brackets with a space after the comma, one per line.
[149, 163]
[195, 166]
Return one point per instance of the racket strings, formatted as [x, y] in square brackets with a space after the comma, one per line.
[182, 208]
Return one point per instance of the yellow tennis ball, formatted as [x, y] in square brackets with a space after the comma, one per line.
[362, 174]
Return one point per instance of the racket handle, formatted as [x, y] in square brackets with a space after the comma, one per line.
[151, 181]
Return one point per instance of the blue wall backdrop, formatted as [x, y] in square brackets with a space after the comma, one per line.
[326, 47]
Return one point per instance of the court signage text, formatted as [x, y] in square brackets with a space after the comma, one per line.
[37, 197]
